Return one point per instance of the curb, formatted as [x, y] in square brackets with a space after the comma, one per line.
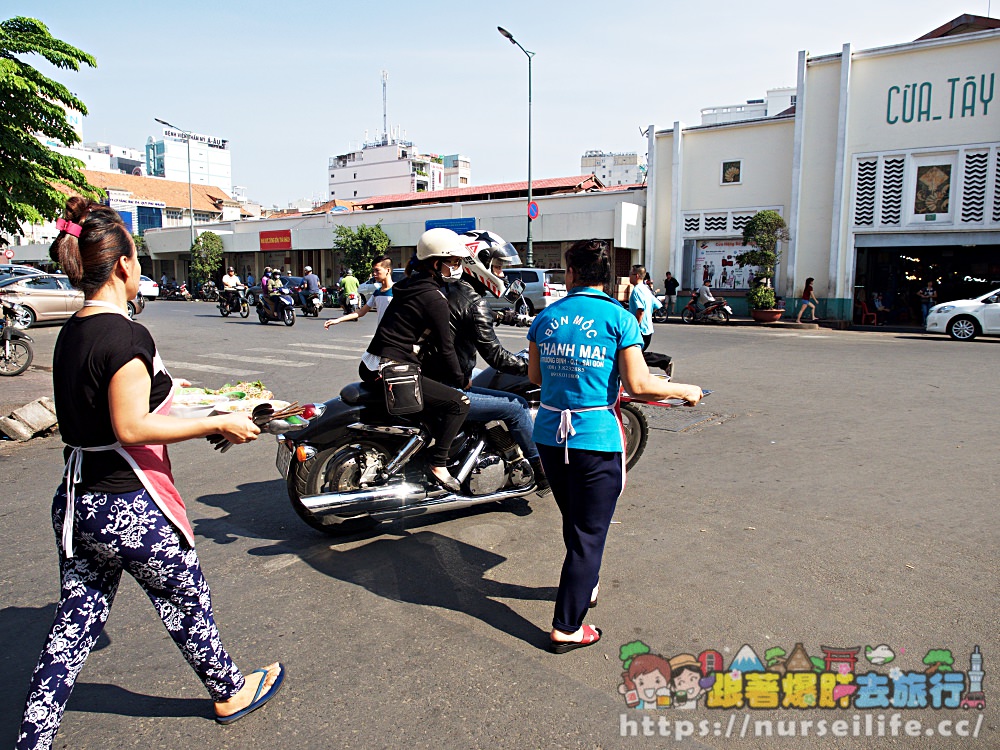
[32, 418]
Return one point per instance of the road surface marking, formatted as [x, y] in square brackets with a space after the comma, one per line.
[337, 347]
[257, 360]
[325, 355]
[212, 368]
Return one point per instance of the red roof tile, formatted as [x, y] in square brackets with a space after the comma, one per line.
[482, 192]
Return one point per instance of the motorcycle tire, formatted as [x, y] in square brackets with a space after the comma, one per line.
[687, 316]
[332, 470]
[288, 316]
[224, 308]
[262, 317]
[659, 316]
[636, 429]
[244, 309]
[720, 316]
[20, 358]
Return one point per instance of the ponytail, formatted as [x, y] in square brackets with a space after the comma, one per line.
[91, 239]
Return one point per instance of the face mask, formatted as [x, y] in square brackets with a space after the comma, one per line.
[451, 274]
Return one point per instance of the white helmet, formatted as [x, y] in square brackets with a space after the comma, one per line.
[440, 243]
[485, 249]
[308, 269]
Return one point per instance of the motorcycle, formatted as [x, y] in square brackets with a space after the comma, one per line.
[280, 308]
[355, 466]
[209, 291]
[716, 311]
[350, 303]
[234, 301]
[16, 352]
[174, 291]
[660, 313]
[312, 302]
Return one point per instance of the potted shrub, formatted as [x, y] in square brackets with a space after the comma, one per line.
[761, 236]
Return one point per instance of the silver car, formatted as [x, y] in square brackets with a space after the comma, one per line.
[542, 287]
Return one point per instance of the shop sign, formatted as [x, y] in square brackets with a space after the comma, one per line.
[280, 239]
[208, 140]
[955, 98]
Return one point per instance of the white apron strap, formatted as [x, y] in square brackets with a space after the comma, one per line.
[72, 474]
[566, 430]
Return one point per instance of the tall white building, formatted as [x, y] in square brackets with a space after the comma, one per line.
[457, 170]
[385, 167]
[211, 160]
[614, 169]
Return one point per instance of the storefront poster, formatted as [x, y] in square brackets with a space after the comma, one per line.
[715, 264]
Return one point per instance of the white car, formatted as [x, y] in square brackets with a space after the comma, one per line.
[965, 319]
[148, 288]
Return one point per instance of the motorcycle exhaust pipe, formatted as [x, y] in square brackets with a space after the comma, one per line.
[371, 500]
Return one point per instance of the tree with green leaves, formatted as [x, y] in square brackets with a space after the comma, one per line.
[33, 103]
[206, 256]
[361, 246]
[938, 660]
[762, 234]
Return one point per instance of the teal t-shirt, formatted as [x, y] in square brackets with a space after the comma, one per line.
[578, 340]
[643, 299]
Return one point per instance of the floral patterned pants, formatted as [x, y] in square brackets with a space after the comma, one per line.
[113, 533]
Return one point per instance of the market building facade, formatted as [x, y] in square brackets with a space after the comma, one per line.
[886, 171]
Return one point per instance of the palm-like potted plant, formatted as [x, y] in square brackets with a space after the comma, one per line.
[761, 236]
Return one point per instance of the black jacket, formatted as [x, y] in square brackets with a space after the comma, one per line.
[472, 325]
[419, 314]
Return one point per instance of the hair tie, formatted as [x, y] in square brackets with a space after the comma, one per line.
[69, 227]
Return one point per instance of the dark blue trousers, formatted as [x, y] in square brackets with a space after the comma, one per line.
[112, 534]
[586, 490]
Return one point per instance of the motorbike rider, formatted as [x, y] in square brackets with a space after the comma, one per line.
[348, 286]
[705, 296]
[274, 287]
[381, 297]
[418, 314]
[310, 285]
[231, 285]
[472, 323]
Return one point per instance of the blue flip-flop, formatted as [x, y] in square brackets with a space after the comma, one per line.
[258, 699]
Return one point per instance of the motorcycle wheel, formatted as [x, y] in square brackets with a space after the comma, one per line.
[261, 317]
[687, 316]
[288, 317]
[636, 428]
[20, 358]
[224, 308]
[337, 469]
[244, 309]
[720, 315]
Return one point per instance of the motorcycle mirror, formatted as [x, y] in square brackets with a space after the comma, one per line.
[280, 426]
[514, 291]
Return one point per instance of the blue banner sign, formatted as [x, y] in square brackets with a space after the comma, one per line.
[458, 226]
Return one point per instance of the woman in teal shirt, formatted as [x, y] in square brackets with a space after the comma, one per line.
[581, 349]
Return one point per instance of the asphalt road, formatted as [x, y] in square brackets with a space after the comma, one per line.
[842, 494]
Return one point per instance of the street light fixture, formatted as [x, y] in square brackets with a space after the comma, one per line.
[530, 257]
[187, 139]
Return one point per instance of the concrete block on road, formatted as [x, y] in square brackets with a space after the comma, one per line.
[48, 403]
[35, 416]
[15, 430]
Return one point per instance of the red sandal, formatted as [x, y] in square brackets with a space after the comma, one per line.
[591, 635]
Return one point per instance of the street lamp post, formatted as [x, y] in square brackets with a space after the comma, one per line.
[187, 140]
[530, 257]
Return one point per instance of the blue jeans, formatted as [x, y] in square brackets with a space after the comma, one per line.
[486, 405]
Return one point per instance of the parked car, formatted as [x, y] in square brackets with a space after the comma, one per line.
[294, 283]
[43, 297]
[542, 287]
[148, 288]
[367, 289]
[965, 319]
[136, 305]
[8, 270]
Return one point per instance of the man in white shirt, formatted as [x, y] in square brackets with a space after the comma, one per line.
[705, 295]
[230, 284]
[380, 298]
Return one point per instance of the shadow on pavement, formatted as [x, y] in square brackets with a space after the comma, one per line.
[399, 561]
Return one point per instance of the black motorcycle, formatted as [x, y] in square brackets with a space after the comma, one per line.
[312, 302]
[354, 465]
[234, 300]
[209, 291]
[277, 308]
[16, 352]
[174, 291]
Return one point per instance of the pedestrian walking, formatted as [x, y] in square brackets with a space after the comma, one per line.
[670, 285]
[117, 508]
[928, 298]
[641, 303]
[580, 365]
[808, 300]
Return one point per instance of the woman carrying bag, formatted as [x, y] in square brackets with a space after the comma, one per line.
[419, 312]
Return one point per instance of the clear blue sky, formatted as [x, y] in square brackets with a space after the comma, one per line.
[290, 84]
